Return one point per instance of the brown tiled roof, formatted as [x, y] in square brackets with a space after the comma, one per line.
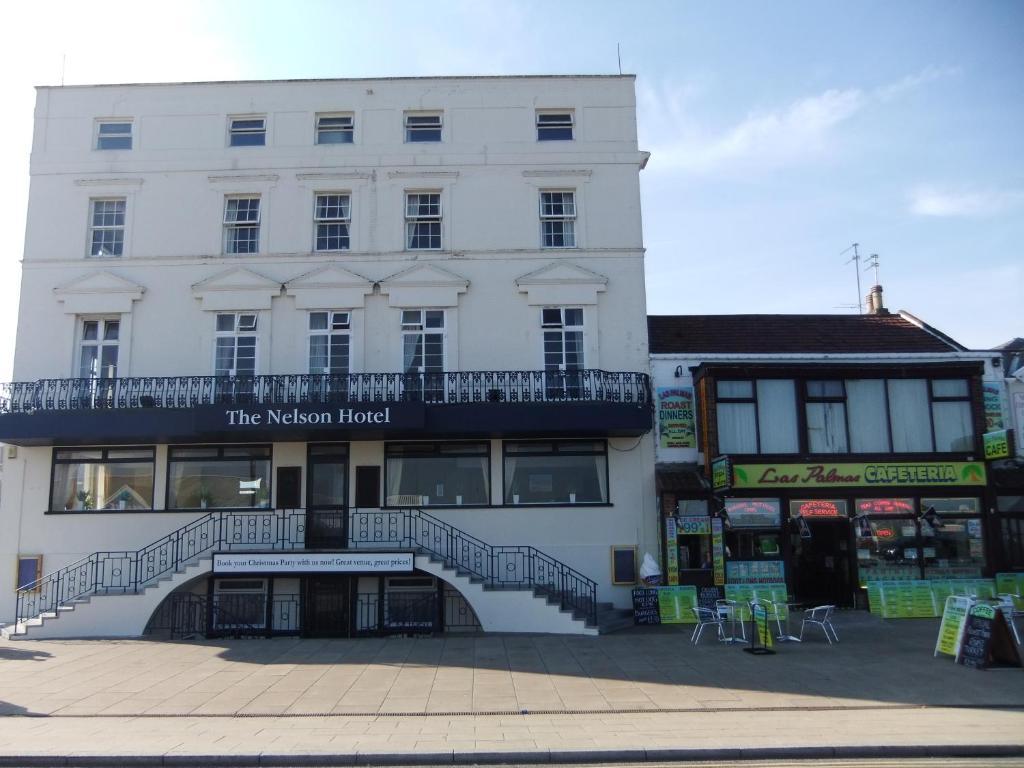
[766, 334]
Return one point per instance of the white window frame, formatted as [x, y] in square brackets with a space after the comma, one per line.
[326, 221]
[230, 226]
[99, 136]
[94, 228]
[412, 128]
[553, 125]
[563, 327]
[421, 329]
[99, 343]
[339, 323]
[340, 129]
[241, 131]
[567, 219]
[412, 220]
[251, 329]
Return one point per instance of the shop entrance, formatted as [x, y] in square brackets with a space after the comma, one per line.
[821, 562]
[327, 606]
[327, 497]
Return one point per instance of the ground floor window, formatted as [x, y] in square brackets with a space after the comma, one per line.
[218, 477]
[437, 474]
[240, 603]
[556, 472]
[102, 479]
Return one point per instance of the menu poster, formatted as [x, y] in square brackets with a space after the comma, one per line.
[979, 647]
[675, 604]
[995, 397]
[645, 606]
[953, 616]
[671, 551]
[708, 597]
[718, 549]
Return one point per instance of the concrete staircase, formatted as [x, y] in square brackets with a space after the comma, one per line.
[111, 614]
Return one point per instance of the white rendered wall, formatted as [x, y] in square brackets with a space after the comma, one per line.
[495, 277]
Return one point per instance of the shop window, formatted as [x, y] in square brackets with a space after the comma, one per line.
[102, 479]
[556, 472]
[218, 477]
[952, 546]
[437, 474]
[909, 416]
[951, 415]
[240, 603]
[757, 417]
[869, 418]
[826, 417]
[886, 540]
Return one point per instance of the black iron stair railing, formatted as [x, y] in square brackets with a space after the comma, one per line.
[447, 388]
[497, 567]
[129, 572]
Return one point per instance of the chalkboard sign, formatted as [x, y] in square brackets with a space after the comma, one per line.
[624, 565]
[986, 640]
[645, 606]
[707, 597]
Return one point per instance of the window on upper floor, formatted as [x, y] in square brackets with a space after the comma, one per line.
[329, 345]
[554, 125]
[242, 224]
[563, 338]
[247, 131]
[332, 216]
[235, 344]
[98, 348]
[113, 134]
[106, 226]
[423, 221]
[334, 129]
[422, 126]
[757, 417]
[867, 416]
[558, 219]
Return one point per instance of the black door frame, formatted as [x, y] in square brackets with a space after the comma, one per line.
[320, 511]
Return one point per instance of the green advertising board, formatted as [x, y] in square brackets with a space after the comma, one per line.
[721, 473]
[675, 604]
[676, 425]
[849, 475]
[1011, 584]
[921, 598]
[953, 616]
[744, 594]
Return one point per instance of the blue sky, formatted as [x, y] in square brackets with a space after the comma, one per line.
[780, 132]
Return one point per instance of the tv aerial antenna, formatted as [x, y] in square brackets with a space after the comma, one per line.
[855, 259]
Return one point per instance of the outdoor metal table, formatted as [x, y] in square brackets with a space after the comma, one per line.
[732, 610]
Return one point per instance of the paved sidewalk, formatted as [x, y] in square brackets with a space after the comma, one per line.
[644, 694]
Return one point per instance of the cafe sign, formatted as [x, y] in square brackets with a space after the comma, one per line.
[849, 475]
[998, 445]
[721, 473]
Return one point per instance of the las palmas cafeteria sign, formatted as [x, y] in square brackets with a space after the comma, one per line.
[675, 417]
[881, 474]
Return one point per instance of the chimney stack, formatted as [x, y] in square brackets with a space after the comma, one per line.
[874, 301]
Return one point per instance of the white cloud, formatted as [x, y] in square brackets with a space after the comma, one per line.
[927, 200]
[799, 132]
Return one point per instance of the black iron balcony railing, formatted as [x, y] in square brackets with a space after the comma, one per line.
[591, 385]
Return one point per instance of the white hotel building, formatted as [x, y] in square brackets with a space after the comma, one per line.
[330, 358]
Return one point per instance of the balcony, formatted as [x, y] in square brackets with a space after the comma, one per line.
[325, 406]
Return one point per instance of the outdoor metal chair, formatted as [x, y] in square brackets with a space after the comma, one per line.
[1008, 606]
[707, 617]
[820, 616]
[732, 611]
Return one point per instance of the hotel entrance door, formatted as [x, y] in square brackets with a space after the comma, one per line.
[821, 563]
[327, 497]
[326, 606]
